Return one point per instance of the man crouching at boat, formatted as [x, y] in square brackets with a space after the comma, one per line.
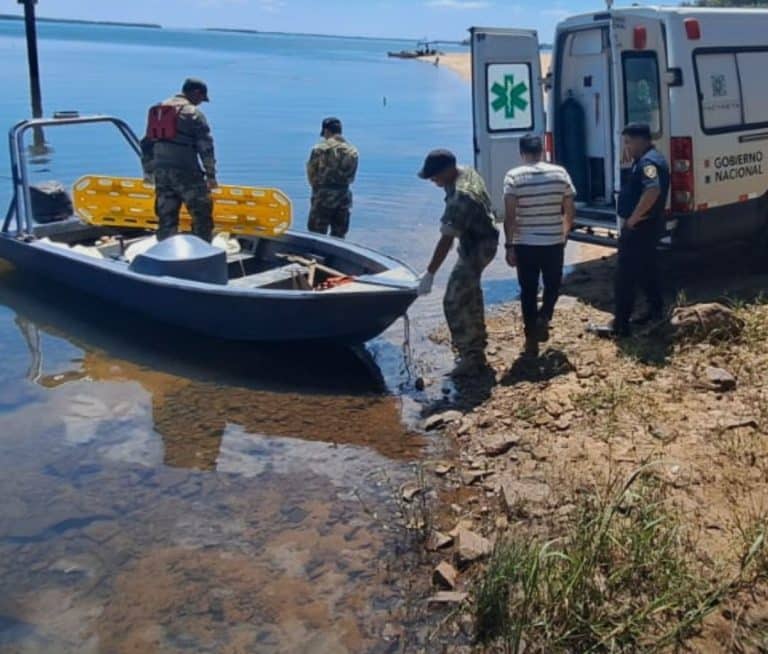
[468, 217]
[178, 141]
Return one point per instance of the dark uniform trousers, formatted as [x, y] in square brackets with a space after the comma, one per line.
[534, 262]
[637, 267]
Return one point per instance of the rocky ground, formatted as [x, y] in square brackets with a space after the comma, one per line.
[688, 407]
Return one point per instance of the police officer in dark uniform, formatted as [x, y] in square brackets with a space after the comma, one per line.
[641, 205]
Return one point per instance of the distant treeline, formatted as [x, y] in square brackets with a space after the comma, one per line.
[79, 21]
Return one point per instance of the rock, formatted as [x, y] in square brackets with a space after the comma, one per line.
[467, 424]
[410, 490]
[518, 494]
[463, 524]
[719, 379]
[486, 421]
[471, 477]
[438, 540]
[392, 631]
[448, 597]
[471, 547]
[706, 322]
[585, 373]
[442, 469]
[441, 419]
[498, 444]
[445, 576]
[742, 423]
[563, 423]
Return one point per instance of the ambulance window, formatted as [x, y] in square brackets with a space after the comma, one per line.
[752, 68]
[641, 90]
[589, 42]
[720, 91]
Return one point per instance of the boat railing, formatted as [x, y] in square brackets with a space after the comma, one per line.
[20, 205]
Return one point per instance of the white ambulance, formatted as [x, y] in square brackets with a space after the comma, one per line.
[699, 77]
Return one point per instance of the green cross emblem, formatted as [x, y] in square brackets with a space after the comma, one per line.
[509, 96]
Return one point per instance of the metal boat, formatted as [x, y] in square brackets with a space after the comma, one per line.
[286, 288]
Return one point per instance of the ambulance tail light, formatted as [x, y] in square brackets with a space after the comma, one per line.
[640, 38]
[549, 146]
[692, 29]
[682, 175]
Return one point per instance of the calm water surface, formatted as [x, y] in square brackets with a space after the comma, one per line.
[168, 493]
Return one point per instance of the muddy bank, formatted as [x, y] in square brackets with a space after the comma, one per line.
[536, 437]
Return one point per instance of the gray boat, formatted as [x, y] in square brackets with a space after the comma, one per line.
[288, 288]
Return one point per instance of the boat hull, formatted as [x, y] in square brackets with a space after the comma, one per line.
[223, 311]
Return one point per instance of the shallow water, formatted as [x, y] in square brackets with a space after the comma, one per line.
[156, 500]
[164, 492]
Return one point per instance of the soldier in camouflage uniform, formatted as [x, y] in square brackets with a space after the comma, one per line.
[331, 169]
[175, 166]
[468, 217]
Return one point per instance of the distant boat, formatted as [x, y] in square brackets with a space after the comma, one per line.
[423, 49]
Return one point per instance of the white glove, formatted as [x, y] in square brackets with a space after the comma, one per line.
[425, 285]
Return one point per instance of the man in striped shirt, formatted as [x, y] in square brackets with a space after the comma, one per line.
[539, 201]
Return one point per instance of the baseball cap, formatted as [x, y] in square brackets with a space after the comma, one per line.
[436, 162]
[195, 84]
[333, 124]
[638, 130]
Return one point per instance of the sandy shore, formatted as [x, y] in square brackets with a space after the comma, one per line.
[461, 62]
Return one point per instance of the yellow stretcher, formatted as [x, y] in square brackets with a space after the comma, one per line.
[129, 202]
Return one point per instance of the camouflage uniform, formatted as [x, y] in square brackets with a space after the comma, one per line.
[178, 178]
[468, 216]
[331, 169]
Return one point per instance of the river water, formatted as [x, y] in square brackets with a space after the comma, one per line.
[167, 493]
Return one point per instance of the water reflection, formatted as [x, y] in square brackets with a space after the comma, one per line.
[200, 386]
[168, 493]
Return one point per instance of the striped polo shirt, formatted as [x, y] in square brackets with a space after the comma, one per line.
[540, 189]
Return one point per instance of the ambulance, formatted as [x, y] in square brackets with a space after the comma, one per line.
[696, 76]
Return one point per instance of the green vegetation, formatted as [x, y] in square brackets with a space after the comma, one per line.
[621, 579]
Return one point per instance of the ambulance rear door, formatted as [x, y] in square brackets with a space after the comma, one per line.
[507, 101]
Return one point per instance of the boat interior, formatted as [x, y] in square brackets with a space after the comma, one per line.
[288, 262]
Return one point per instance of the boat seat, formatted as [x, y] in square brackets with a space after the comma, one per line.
[281, 277]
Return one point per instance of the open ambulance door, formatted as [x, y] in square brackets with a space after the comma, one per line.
[507, 101]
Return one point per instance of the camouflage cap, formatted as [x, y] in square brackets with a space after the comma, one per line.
[332, 124]
[195, 84]
[436, 162]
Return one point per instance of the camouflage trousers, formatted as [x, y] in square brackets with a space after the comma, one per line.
[175, 187]
[321, 218]
[463, 302]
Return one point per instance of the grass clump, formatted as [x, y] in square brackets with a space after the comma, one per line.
[622, 579]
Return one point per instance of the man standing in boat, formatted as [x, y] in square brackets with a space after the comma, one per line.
[468, 216]
[331, 169]
[178, 156]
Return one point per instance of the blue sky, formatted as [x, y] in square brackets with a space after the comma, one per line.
[444, 19]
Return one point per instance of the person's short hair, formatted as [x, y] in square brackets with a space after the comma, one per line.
[638, 130]
[333, 125]
[531, 144]
[436, 162]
